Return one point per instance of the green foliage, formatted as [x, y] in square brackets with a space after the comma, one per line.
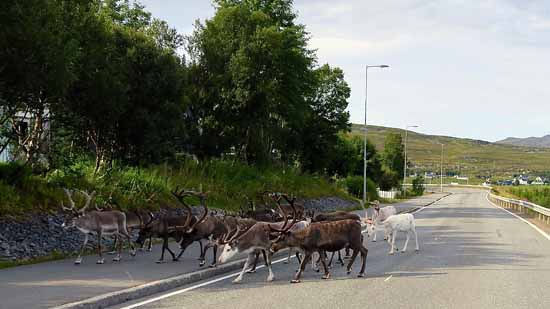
[354, 185]
[389, 180]
[393, 154]
[418, 185]
[539, 195]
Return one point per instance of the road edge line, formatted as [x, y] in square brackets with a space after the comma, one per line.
[536, 228]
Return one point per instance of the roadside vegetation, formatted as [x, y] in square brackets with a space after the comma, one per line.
[539, 195]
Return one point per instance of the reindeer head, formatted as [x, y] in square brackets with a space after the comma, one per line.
[371, 228]
[72, 212]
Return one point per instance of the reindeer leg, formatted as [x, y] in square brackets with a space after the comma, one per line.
[270, 276]
[101, 260]
[352, 260]
[306, 259]
[150, 247]
[340, 258]
[327, 272]
[330, 261]
[164, 248]
[214, 253]
[201, 249]
[202, 258]
[364, 252]
[119, 252]
[256, 258]
[248, 261]
[79, 258]
[115, 243]
[265, 257]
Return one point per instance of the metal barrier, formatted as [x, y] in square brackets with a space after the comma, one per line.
[539, 212]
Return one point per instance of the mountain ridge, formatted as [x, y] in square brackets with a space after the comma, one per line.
[533, 141]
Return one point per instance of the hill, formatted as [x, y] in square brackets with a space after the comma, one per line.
[541, 142]
[464, 156]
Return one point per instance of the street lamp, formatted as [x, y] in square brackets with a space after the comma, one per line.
[405, 167]
[382, 66]
[442, 167]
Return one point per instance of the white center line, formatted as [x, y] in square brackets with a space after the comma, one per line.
[387, 279]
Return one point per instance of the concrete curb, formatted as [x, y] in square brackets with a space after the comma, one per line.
[122, 296]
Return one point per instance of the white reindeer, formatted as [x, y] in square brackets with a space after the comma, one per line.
[394, 224]
[379, 215]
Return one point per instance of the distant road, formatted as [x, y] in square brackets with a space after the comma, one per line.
[473, 255]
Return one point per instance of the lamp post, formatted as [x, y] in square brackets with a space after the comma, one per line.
[442, 167]
[382, 66]
[405, 167]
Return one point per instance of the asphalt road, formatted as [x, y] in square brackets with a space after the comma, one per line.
[472, 255]
[55, 283]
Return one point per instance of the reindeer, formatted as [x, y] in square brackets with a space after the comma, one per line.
[96, 222]
[256, 238]
[323, 236]
[209, 227]
[264, 214]
[169, 225]
[334, 216]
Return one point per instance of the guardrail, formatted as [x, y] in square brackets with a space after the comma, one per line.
[541, 213]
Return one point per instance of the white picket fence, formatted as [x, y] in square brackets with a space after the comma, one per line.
[387, 194]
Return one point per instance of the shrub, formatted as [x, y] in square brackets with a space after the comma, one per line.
[354, 186]
[418, 185]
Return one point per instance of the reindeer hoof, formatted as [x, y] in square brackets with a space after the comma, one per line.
[175, 260]
[237, 280]
[361, 275]
[295, 281]
[102, 261]
[403, 251]
[270, 279]
[149, 249]
[317, 270]
[325, 277]
[77, 262]
[117, 259]
[391, 253]
[251, 271]
[111, 252]
[213, 265]
[374, 240]
[417, 250]
[160, 262]
[285, 262]
[202, 263]
[348, 271]
[133, 253]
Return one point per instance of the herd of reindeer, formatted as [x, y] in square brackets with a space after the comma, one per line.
[251, 231]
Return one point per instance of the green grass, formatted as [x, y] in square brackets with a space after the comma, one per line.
[467, 156]
[539, 195]
[227, 184]
[51, 257]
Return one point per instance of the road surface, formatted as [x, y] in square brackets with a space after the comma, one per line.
[473, 255]
[55, 283]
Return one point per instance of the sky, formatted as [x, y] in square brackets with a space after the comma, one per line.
[466, 68]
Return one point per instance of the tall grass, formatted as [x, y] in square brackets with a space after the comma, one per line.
[539, 195]
[227, 184]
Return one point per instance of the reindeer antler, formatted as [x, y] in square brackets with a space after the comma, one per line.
[71, 202]
[89, 198]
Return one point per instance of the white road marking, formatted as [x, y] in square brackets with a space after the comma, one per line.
[424, 207]
[385, 280]
[191, 288]
[543, 233]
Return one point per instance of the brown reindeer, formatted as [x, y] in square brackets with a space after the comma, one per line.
[322, 237]
[255, 239]
[96, 222]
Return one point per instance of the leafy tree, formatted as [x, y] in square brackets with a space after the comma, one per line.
[327, 116]
[393, 155]
[255, 71]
